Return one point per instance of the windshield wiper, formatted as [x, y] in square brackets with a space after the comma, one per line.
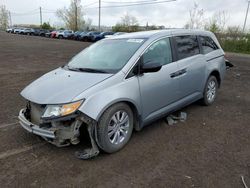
[85, 69]
[70, 68]
[91, 70]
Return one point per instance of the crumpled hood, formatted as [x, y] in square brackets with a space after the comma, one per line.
[61, 86]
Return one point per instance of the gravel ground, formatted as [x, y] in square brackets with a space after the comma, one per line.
[211, 149]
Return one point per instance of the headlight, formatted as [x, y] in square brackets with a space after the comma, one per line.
[61, 110]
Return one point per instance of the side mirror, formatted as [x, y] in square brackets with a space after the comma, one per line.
[151, 66]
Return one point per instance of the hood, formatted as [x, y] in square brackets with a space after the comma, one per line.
[61, 86]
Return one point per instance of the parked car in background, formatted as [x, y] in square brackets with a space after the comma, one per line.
[40, 32]
[53, 34]
[43, 32]
[17, 30]
[21, 31]
[27, 31]
[100, 36]
[87, 37]
[123, 83]
[48, 34]
[92, 36]
[83, 36]
[36, 32]
[115, 34]
[77, 35]
[65, 34]
[9, 30]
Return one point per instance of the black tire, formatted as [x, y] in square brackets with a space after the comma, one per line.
[103, 138]
[60, 36]
[206, 100]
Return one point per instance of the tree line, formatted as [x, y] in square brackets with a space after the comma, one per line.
[231, 38]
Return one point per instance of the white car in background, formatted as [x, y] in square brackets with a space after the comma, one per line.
[17, 30]
[64, 34]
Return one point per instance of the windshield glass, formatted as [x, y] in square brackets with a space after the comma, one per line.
[107, 56]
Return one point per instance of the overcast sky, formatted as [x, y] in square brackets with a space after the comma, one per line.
[171, 14]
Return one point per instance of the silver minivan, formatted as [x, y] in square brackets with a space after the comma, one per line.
[123, 83]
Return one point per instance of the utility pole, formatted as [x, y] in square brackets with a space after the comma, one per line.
[41, 18]
[76, 16]
[10, 19]
[99, 25]
[246, 16]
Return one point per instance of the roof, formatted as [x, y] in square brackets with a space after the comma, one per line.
[155, 33]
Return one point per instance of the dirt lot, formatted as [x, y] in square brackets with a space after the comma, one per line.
[211, 149]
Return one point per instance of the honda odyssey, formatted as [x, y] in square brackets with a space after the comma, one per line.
[123, 83]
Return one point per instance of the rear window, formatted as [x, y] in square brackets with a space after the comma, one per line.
[187, 46]
[208, 45]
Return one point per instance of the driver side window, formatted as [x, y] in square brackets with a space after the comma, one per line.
[159, 52]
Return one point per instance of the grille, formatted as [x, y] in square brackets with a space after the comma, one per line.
[36, 111]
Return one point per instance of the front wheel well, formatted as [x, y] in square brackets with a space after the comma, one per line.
[134, 110]
[136, 115]
[217, 76]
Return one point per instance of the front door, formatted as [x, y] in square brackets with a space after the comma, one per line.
[158, 89]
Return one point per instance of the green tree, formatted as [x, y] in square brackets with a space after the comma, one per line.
[46, 25]
[213, 27]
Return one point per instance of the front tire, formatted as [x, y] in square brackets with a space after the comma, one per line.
[210, 91]
[115, 127]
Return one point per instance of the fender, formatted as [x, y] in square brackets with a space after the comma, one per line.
[126, 91]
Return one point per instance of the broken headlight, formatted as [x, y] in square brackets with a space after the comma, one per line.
[61, 110]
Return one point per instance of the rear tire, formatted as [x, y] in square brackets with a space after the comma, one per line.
[115, 127]
[210, 91]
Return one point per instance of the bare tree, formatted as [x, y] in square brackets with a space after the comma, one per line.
[73, 15]
[128, 23]
[87, 24]
[196, 18]
[4, 17]
[222, 18]
[217, 22]
[128, 20]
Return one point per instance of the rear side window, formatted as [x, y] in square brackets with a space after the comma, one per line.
[208, 45]
[187, 46]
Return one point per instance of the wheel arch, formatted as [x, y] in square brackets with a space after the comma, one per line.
[216, 73]
[133, 107]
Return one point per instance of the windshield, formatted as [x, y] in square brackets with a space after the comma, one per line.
[107, 56]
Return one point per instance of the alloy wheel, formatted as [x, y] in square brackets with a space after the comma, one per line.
[118, 127]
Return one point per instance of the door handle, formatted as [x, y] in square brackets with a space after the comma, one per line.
[173, 75]
[178, 73]
[183, 71]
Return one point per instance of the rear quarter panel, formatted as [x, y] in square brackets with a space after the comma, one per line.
[215, 61]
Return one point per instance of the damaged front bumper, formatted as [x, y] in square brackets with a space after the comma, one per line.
[64, 132]
[35, 129]
[58, 132]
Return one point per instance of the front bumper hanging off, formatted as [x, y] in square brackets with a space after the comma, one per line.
[61, 136]
[35, 129]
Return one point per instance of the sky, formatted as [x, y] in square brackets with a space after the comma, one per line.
[170, 14]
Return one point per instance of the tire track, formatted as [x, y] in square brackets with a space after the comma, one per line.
[12, 152]
[7, 125]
